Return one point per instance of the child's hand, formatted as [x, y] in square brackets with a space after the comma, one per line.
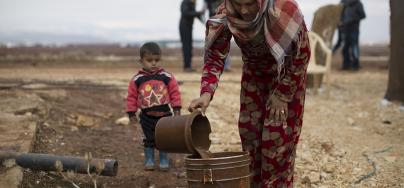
[278, 109]
[177, 112]
[133, 120]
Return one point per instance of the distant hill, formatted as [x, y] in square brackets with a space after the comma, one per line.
[52, 39]
[30, 38]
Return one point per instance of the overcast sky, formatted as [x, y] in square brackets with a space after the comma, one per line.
[136, 20]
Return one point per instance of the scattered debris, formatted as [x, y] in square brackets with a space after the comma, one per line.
[373, 163]
[369, 174]
[122, 121]
[385, 103]
[386, 122]
[390, 159]
[86, 121]
[9, 163]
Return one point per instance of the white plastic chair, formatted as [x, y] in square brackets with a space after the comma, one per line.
[315, 67]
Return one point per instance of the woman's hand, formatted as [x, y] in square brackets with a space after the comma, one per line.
[278, 109]
[202, 102]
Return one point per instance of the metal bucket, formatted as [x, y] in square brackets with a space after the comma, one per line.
[182, 134]
[223, 170]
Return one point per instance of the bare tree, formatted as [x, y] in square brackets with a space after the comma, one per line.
[395, 90]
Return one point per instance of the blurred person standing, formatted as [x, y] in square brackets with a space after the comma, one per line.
[352, 14]
[188, 13]
[340, 40]
[212, 6]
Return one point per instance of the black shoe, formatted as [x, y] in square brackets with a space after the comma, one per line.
[356, 68]
[189, 70]
[344, 69]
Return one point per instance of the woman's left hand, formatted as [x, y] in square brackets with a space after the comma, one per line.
[278, 109]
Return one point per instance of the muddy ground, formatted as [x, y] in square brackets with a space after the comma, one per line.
[347, 133]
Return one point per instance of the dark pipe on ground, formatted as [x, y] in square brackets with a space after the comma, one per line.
[46, 162]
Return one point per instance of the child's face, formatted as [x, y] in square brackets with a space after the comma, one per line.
[150, 61]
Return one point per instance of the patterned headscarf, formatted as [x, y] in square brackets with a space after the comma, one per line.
[282, 21]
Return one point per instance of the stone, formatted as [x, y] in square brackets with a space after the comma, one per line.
[74, 128]
[390, 159]
[11, 178]
[323, 175]
[310, 167]
[85, 121]
[384, 103]
[71, 118]
[306, 180]
[351, 121]
[329, 168]
[314, 177]
[327, 146]
[338, 153]
[181, 175]
[122, 121]
[9, 163]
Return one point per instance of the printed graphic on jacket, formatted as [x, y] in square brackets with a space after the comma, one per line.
[153, 93]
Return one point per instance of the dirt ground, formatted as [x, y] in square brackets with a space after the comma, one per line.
[347, 132]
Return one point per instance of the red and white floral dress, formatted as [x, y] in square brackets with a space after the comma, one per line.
[272, 145]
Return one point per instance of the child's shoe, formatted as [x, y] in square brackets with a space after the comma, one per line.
[149, 158]
[164, 164]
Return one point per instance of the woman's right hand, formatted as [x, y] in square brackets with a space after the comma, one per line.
[202, 102]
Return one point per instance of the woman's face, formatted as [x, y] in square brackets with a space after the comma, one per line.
[248, 9]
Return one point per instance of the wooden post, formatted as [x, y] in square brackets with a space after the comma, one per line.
[395, 90]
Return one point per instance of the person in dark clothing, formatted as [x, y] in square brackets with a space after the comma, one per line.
[212, 6]
[340, 40]
[352, 14]
[188, 13]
